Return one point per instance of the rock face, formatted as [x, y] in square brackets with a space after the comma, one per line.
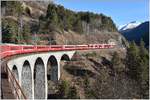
[74, 38]
[37, 8]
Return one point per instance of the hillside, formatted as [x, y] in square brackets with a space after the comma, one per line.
[41, 23]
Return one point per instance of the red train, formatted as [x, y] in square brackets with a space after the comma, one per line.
[11, 49]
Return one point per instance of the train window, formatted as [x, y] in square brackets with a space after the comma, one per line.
[27, 47]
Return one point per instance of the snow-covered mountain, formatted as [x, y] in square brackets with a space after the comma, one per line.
[130, 25]
[137, 32]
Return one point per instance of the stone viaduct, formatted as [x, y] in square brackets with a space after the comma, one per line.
[33, 71]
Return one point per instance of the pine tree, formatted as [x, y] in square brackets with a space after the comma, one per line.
[143, 50]
[52, 17]
[138, 67]
[144, 61]
[26, 33]
[6, 35]
[133, 61]
[9, 30]
[115, 59]
[144, 64]
[78, 26]
[116, 63]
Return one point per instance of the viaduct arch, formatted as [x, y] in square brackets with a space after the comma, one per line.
[26, 81]
[39, 79]
[15, 72]
[65, 57]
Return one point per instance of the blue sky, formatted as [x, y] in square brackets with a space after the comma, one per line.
[121, 11]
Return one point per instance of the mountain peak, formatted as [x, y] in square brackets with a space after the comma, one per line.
[133, 22]
[130, 25]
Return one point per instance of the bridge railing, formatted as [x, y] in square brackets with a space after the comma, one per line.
[15, 87]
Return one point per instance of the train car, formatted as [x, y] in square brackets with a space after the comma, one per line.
[56, 47]
[4, 48]
[28, 47]
[107, 46]
[81, 47]
[94, 46]
[99, 46]
[91, 46]
[69, 47]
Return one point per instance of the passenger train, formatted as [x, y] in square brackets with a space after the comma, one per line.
[12, 49]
